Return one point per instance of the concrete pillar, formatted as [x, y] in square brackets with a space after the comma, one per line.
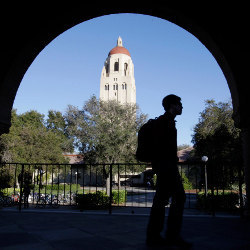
[4, 128]
[5, 111]
[245, 133]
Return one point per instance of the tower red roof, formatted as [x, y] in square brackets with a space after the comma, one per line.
[119, 50]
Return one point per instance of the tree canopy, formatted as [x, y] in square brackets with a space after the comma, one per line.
[105, 131]
[215, 134]
[31, 141]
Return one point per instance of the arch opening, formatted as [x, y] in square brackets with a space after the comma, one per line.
[25, 56]
[14, 77]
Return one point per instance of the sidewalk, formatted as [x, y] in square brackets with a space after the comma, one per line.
[123, 229]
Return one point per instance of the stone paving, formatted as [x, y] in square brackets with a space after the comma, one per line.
[123, 229]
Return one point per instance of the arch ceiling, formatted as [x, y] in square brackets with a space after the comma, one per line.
[27, 29]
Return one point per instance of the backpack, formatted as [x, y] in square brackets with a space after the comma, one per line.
[145, 146]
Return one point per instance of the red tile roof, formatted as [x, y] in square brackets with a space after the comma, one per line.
[119, 50]
[184, 154]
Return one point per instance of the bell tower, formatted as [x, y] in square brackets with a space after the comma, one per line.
[117, 77]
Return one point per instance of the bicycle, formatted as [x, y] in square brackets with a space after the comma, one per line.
[6, 201]
[48, 200]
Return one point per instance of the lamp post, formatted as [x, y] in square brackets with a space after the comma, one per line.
[205, 159]
[76, 177]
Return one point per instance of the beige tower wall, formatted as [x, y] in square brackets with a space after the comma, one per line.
[117, 79]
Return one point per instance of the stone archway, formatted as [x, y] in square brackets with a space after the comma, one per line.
[28, 29]
[34, 42]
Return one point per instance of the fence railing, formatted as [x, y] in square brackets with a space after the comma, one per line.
[115, 185]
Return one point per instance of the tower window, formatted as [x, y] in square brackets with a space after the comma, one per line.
[116, 66]
[125, 68]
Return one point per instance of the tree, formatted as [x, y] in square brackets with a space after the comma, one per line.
[6, 178]
[29, 141]
[105, 132]
[216, 136]
[57, 124]
[215, 125]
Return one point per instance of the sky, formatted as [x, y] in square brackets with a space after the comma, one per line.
[167, 60]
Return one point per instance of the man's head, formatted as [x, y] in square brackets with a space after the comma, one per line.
[172, 104]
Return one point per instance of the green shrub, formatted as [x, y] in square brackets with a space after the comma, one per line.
[220, 201]
[186, 183]
[6, 179]
[60, 187]
[98, 200]
[119, 197]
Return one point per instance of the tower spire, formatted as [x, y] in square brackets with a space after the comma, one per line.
[119, 42]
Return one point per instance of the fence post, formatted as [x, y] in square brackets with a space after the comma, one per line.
[110, 188]
[21, 188]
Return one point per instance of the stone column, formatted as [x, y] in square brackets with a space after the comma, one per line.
[242, 121]
[245, 133]
[4, 128]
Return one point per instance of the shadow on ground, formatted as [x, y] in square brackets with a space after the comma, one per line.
[50, 229]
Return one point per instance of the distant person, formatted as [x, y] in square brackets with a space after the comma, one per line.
[169, 183]
[27, 183]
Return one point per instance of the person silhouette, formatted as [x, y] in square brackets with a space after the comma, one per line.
[169, 183]
[26, 179]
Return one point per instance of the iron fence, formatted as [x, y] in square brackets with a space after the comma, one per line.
[115, 185]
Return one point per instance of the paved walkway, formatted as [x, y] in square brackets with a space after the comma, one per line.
[124, 229]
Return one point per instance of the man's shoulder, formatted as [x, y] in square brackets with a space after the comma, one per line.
[158, 123]
[162, 119]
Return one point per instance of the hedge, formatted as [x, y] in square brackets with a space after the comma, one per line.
[60, 187]
[220, 201]
[99, 199]
[119, 197]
